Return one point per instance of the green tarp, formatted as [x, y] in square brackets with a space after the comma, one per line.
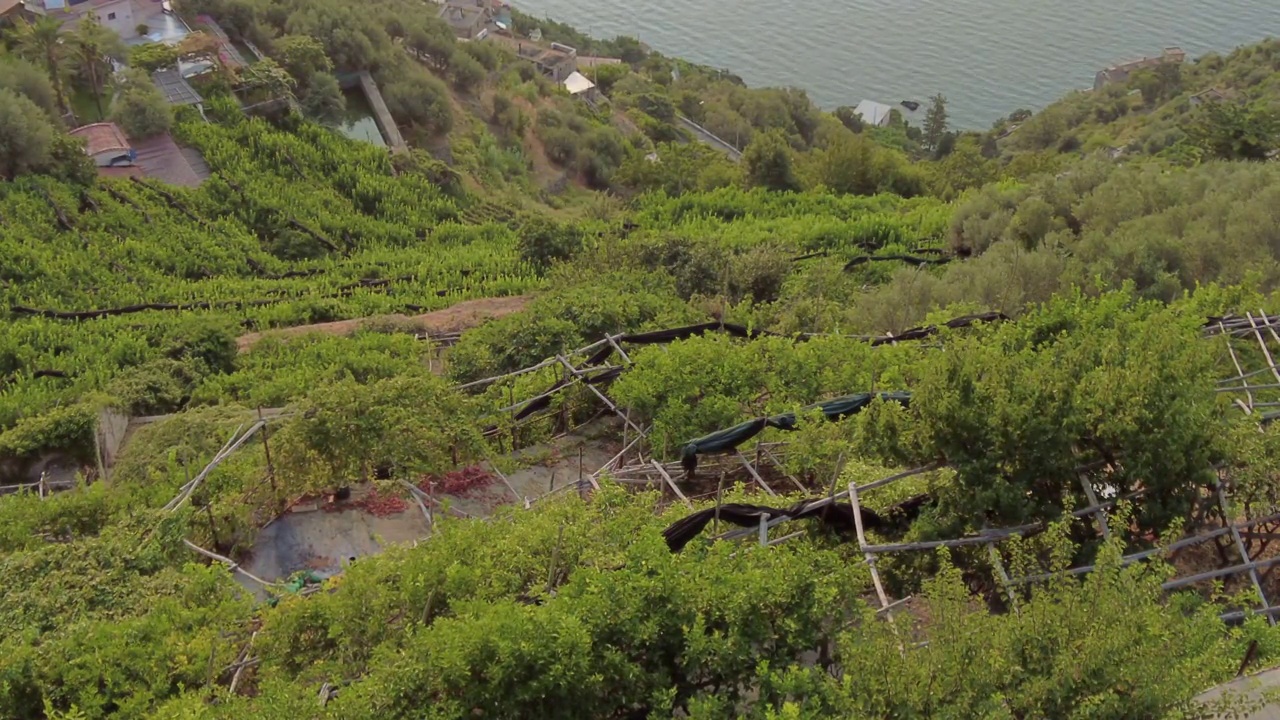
[729, 438]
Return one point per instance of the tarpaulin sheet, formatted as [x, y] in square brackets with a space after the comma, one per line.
[729, 438]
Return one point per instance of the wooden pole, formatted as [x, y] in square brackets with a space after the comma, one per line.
[835, 480]
[223, 454]
[862, 543]
[747, 464]
[607, 402]
[266, 450]
[871, 563]
[1100, 515]
[1239, 369]
[1266, 352]
[719, 499]
[613, 340]
[671, 483]
[235, 679]
[998, 564]
[778, 464]
[1244, 555]
[555, 557]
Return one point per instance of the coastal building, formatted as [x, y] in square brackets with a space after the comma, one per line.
[135, 21]
[580, 87]
[105, 144]
[116, 15]
[10, 10]
[469, 19]
[159, 157]
[1214, 95]
[873, 114]
[590, 61]
[558, 61]
[1121, 73]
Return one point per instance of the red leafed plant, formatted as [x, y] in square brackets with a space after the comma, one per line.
[460, 483]
[380, 505]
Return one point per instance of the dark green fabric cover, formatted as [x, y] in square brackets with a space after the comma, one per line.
[729, 438]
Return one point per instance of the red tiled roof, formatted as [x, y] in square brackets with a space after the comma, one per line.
[161, 158]
[6, 6]
[101, 137]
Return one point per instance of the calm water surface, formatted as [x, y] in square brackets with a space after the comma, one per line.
[357, 122]
[988, 57]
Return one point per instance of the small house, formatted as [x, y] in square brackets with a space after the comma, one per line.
[873, 114]
[1213, 95]
[115, 15]
[467, 18]
[579, 86]
[1121, 73]
[106, 144]
[558, 61]
[10, 11]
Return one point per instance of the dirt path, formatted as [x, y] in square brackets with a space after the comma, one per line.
[462, 316]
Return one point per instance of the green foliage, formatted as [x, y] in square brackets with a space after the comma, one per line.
[302, 57]
[323, 99]
[153, 56]
[1151, 113]
[543, 242]
[766, 163]
[277, 372]
[571, 316]
[579, 610]
[141, 111]
[1227, 131]
[153, 388]
[63, 428]
[25, 136]
[25, 78]
[676, 168]
[422, 100]
[963, 169]
[854, 164]
[91, 48]
[107, 628]
[935, 122]
[215, 245]
[413, 425]
[41, 43]
[465, 71]
[1104, 647]
[700, 385]
[1080, 381]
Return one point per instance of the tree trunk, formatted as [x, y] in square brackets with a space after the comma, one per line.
[56, 81]
[97, 91]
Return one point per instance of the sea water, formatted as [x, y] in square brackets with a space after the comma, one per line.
[988, 57]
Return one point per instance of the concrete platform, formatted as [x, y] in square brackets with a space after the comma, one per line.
[1258, 696]
[325, 542]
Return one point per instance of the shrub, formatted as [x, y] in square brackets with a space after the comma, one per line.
[141, 111]
[422, 100]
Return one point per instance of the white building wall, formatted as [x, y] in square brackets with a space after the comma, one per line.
[118, 16]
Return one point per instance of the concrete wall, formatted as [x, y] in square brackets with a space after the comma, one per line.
[108, 437]
[118, 16]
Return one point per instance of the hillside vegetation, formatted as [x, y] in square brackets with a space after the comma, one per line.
[1153, 112]
[1096, 276]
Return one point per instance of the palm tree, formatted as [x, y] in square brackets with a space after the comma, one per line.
[41, 43]
[91, 46]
